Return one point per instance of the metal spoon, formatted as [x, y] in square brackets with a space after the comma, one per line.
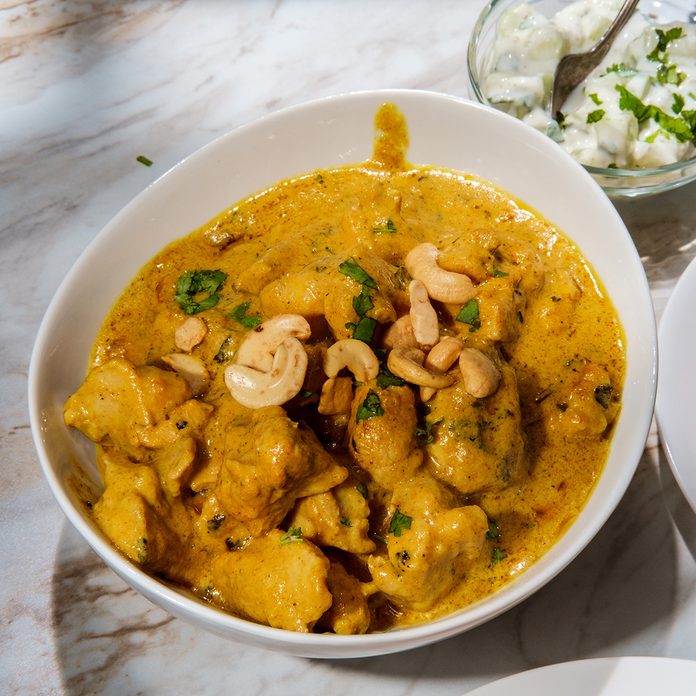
[575, 67]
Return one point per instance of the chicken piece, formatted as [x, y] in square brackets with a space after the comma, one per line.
[135, 514]
[175, 465]
[117, 400]
[297, 293]
[583, 404]
[275, 580]
[349, 614]
[186, 420]
[269, 462]
[430, 545]
[338, 517]
[501, 310]
[477, 443]
[382, 432]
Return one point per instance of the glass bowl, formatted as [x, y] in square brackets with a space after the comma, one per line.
[616, 182]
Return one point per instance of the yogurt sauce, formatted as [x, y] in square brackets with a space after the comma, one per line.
[636, 110]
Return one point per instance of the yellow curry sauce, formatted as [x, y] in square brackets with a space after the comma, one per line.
[406, 502]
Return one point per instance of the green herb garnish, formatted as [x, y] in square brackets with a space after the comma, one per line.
[595, 116]
[194, 283]
[425, 434]
[670, 75]
[497, 273]
[388, 228]
[363, 303]
[663, 39]
[345, 521]
[493, 531]
[677, 103]
[595, 98]
[603, 394]
[364, 329]
[386, 378]
[399, 522]
[353, 270]
[362, 489]
[469, 314]
[497, 555]
[239, 314]
[225, 351]
[144, 160]
[293, 534]
[369, 408]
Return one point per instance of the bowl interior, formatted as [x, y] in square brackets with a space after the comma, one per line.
[444, 131]
[617, 183]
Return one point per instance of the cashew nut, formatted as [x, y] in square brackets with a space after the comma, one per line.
[353, 354]
[481, 376]
[440, 358]
[407, 363]
[257, 347]
[191, 368]
[336, 396]
[400, 334]
[442, 285]
[189, 334]
[255, 389]
[423, 316]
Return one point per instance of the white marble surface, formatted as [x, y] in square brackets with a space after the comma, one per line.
[85, 87]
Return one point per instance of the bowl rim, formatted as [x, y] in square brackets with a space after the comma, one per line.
[177, 601]
[610, 172]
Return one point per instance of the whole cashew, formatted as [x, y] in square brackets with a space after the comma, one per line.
[257, 347]
[400, 334]
[440, 358]
[442, 285]
[191, 368]
[407, 363]
[353, 354]
[481, 376]
[336, 396]
[423, 316]
[190, 333]
[255, 389]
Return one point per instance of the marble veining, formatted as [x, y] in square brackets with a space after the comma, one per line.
[85, 87]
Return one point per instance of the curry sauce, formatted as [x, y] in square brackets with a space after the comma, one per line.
[382, 488]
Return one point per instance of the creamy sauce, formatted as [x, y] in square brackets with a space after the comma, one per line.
[602, 125]
[363, 520]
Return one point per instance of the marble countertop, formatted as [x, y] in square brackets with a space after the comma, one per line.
[85, 87]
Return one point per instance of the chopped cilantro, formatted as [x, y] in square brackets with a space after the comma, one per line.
[193, 283]
[363, 303]
[619, 68]
[362, 489]
[677, 102]
[595, 116]
[144, 160]
[388, 228]
[497, 555]
[379, 537]
[663, 39]
[369, 408]
[364, 330]
[141, 547]
[239, 314]
[386, 378]
[670, 75]
[602, 395]
[560, 118]
[353, 270]
[679, 127]
[293, 534]
[497, 273]
[469, 314]
[399, 522]
[493, 531]
[345, 521]
[595, 98]
[425, 434]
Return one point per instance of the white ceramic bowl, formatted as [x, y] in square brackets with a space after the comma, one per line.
[444, 131]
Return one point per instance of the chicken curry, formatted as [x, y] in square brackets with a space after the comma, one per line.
[360, 399]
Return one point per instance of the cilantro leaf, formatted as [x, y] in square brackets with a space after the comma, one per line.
[353, 270]
[425, 435]
[670, 75]
[239, 314]
[144, 160]
[663, 39]
[399, 522]
[293, 534]
[497, 555]
[225, 351]
[346, 522]
[386, 378]
[493, 531]
[363, 303]
[602, 395]
[469, 314]
[369, 408]
[677, 103]
[388, 228]
[364, 330]
[194, 283]
[595, 98]
[595, 116]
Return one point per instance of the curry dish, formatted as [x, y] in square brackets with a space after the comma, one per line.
[362, 398]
